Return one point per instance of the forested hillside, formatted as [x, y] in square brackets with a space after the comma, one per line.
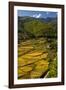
[29, 27]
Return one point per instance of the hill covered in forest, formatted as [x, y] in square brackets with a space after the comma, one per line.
[29, 27]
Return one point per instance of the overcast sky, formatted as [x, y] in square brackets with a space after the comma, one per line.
[37, 14]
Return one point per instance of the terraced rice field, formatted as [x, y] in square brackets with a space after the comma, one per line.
[34, 59]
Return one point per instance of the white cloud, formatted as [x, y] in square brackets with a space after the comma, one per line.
[34, 15]
[37, 15]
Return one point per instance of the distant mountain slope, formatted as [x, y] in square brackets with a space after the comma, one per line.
[48, 19]
[29, 27]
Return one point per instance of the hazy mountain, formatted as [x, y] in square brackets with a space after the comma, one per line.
[48, 19]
